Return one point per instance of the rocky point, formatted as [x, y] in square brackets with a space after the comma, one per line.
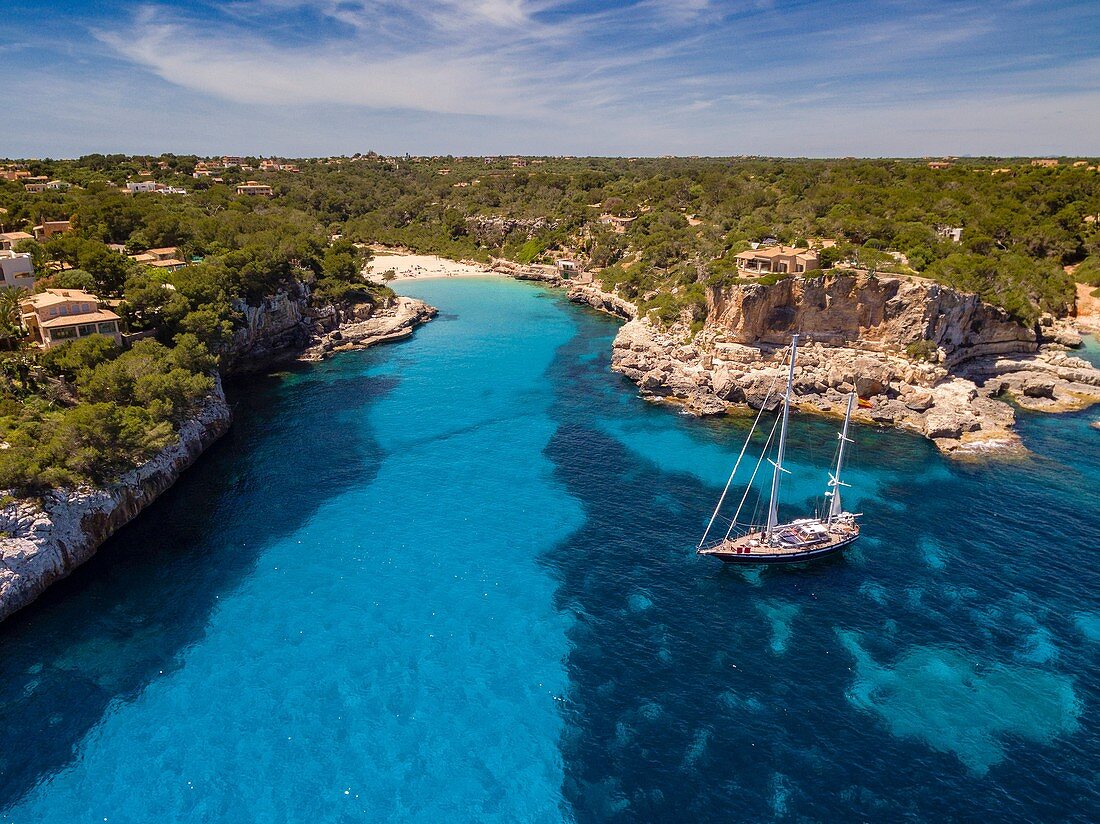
[921, 356]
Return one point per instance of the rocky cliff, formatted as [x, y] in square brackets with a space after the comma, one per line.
[886, 314]
[493, 230]
[274, 330]
[582, 289]
[339, 330]
[921, 356]
[286, 326]
[44, 540]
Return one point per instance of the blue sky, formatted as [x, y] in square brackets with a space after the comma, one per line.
[310, 77]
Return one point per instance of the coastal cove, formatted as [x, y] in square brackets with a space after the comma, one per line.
[455, 579]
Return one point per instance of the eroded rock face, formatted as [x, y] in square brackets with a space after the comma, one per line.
[278, 326]
[859, 334]
[885, 314]
[595, 297]
[493, 230]
[366, 326]
[42, 541]
[285, 326]
[46, 540]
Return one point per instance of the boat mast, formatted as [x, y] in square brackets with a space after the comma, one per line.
[835, 507]
[773, 504]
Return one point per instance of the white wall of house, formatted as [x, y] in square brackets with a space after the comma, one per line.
[16, 270]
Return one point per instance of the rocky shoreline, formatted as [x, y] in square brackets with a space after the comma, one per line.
[962, 414]
[975, 364]
[44, 539]
[860, 336]
[356, 330]
[286, 328]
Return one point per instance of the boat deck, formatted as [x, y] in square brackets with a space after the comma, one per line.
[790, 542]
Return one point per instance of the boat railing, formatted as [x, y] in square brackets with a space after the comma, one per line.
[711, 545]
[732, 535]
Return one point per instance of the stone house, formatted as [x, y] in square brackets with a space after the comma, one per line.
[49, 228]
[778, 260]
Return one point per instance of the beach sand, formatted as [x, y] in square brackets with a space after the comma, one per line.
[420, 267]
[1088, 309]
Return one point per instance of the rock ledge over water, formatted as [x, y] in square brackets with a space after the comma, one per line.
[340, 331]
[46, 539]
[922, 358]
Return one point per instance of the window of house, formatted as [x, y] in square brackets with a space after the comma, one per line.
[109, 328]
[64, 333]
[86, 329]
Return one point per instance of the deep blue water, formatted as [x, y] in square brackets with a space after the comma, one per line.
[453, 580]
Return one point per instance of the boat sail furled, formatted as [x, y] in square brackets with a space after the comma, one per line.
[802, 539]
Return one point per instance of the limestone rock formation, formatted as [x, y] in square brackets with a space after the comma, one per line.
[492, 231]
[921, 357]
[270, 331]
[339, 331]
[883, 314]
[44, 540]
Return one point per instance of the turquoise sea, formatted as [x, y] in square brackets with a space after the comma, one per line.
[453, 579]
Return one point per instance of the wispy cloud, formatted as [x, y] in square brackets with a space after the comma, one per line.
[494, 57]
[641, 75]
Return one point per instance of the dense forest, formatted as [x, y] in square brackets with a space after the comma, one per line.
[660, 231]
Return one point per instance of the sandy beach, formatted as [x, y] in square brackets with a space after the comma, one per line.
[421, 267]
[1088, 309]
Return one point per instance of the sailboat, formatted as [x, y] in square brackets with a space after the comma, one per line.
[802, 539]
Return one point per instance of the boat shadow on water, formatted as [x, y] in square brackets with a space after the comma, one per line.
[124, 618]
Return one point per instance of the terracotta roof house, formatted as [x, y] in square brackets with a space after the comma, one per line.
[778, 259]
[167, 264]
[251, 187]
[57, 316]
[9, 239]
